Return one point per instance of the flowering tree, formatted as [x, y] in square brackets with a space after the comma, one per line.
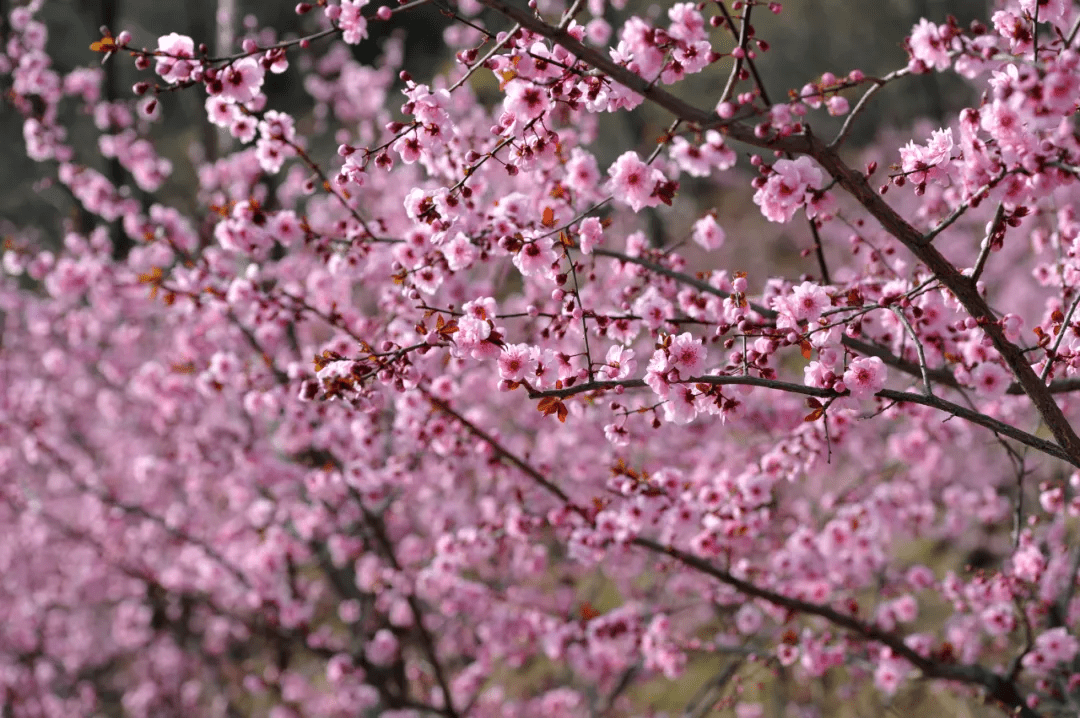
[437, 426]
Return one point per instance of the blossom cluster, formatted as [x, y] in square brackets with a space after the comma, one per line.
[429, 408]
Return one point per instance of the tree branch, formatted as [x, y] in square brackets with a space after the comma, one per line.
[962, 412]
[855, 184]
[997, 687]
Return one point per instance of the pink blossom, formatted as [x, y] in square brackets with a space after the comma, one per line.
[1051, 11]
[241, 81]
[176, 62]
[999, 619]
[865, 376]
[638, 41]
[687, 23]
[1058, 645]
[653, 308]
[1010, 25]
[689, 158]
[582, 173]
[459, 252]
[991, 379]
[382, 649]
[243, 128]
[591, 233]
[922, 164]
[837, 105]
[680, 407]
[535, 257]
[808, 301]
[889, 673]
[618, 364]
[748, 619]
[352, 22]
[526, 100]
[787, 188]
[272, 154]
[1028, 563]
[749, 710]
[220, 111]
[929, 45]
[656, 374]
[708, 233]
[905, 608]
[688, 355]
[516, 362]
[633, 182]
[787, 654]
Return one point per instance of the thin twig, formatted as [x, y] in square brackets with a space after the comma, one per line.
[487, 56]
[863, 103]
[1052, 352]
[918, 349]
[934, 402]
[987, 245]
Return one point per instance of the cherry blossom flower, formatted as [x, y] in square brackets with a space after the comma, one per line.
[653, 308]
[656, 374]
[516, 362]
[680, 407]
[582, 173]
[633, 182]
[618, 364]
[1052, 11]
[176, 62]
[808, 301]
[591, 233]
[889, 673]
[688, 355]
[990, 379]
[220, 111]
[382, 649]
[787, 188]
[999, 619]
[708, 233]
[243, 128]
[352, 22]
[1028, 562]
[241, 82]
[929, 44]
[922, 164]
[459, 252]
[526, 100]
[748, 619]
[535, 257]
[865, 376]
